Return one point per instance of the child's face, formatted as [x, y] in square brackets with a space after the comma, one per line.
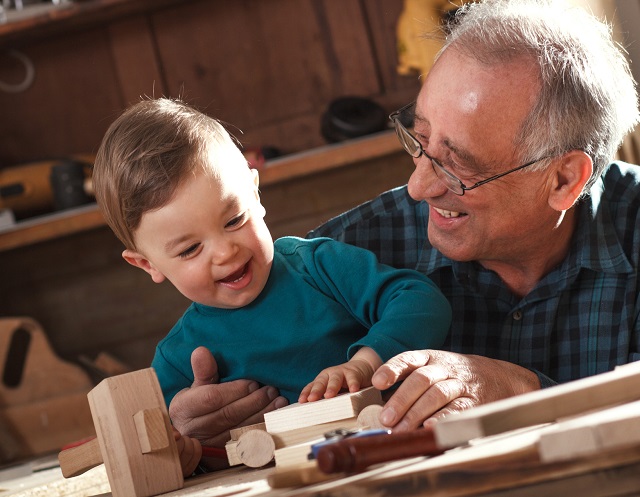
[210, 240]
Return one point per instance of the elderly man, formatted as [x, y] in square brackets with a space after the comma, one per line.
[513, 209]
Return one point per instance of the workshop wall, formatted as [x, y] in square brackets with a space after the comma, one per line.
[270, 68]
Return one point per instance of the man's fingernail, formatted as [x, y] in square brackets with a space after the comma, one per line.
[388, 416]
[253, 386]
[381, 378]
[281, 402]
[401, 426]
[272, 393]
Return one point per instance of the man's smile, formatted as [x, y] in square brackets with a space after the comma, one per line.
[448, 214]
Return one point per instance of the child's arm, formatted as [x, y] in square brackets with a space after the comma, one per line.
[353, 375]
[190, 452]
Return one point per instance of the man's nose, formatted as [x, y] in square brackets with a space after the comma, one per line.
[424, 183]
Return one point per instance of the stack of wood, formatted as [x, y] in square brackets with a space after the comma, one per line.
[287, 434]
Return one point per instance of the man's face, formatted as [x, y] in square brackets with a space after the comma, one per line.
[210, 240]
[467, 117]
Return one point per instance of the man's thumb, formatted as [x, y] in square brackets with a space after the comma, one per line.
[205, 368]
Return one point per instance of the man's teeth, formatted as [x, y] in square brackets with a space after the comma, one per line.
[444, 213]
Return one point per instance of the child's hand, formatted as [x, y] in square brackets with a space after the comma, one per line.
[190, 452]
[352, 375]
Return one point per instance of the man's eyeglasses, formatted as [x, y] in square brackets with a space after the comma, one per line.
[413, 147]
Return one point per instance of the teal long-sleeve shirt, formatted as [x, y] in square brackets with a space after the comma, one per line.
[323, 301]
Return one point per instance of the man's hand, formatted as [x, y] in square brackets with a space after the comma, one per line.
[352, 375]
[438, 383]
[190, 452]
[208, 410]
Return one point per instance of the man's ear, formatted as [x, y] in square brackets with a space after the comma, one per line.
[571, 172]
[138, 260]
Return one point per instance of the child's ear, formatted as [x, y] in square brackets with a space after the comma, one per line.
[138, 260]
[256, 182]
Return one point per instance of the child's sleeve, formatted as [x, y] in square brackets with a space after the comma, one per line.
[403, 309]
[170, 378]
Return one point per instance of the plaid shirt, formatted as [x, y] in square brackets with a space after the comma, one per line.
[581, 319]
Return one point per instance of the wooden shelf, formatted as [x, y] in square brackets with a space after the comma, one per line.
[40, 21]
[280, 170]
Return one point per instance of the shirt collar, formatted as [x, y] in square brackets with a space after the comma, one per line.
[596, 245]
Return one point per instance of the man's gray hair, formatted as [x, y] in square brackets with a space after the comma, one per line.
[588, 98]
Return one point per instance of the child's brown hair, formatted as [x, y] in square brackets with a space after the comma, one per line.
[144, 156]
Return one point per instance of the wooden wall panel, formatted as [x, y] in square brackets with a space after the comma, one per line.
[382, 17]
[136, 59]
[268, 68]
[65, 111]
[87, 297]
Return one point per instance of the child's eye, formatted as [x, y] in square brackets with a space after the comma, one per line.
[189, 251]
[236, 221]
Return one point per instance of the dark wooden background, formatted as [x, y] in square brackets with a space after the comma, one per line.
[269, 67]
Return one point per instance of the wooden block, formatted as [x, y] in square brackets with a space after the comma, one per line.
[232, 453]
[322, 411]
[236, 432]
[369, 417]
[152, 429]
[294, 455]
[294, 437]
[114, 403]
[77, 460]
[255, 448]
[297, 476]
[591, 434]
[542, 406]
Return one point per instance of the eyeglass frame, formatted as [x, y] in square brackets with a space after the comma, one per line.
[400, 128]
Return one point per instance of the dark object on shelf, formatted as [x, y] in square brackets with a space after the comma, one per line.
[38, 188]
[351, 117]
[68, 184]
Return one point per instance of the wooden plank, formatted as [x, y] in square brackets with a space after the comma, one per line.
[294, 455]
[300, 435]
[593, 433]
[501, 463]
[299, 415]
[542, 406]
[70, 16]
[329, 157]
[136, 59]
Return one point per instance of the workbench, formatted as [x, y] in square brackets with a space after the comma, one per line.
[579, 438]
[506, 474]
